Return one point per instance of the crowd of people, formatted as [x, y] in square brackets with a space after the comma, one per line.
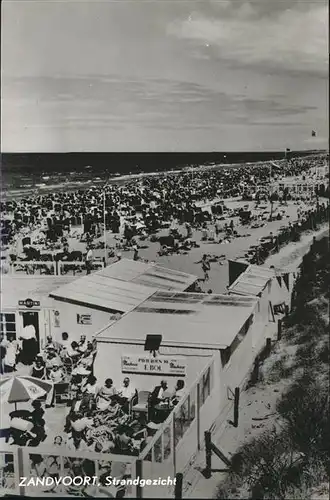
[138, 208]
[101, 417]
[21, 350]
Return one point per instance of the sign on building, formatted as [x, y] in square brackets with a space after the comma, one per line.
[57, 319]
[149, 365]
[115, 317]
[84, 319]
[29, 303]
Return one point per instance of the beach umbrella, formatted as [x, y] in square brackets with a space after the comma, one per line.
[21, 389]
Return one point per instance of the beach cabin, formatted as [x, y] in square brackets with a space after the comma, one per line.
[208, 341]
[273, 287]
[25, 301]
[93, 301]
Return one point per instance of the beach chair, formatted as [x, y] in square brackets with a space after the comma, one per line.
[62, 393]
[143, 403]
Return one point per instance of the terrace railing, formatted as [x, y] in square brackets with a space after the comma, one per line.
[33, 267]
[63, 268]
[51, 268]
[17, 463]
[180, 437]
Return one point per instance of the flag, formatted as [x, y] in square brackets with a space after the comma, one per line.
[236, 269]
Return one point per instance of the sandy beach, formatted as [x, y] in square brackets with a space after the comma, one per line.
[233, 250]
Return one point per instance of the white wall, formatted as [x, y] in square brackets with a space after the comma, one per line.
[108, 365]
[239, 364]
[217, 405]
[68, 320]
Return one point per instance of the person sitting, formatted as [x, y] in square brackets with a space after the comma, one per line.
[83, 368]
[79, 423]
[82, 344]
[105, 394]
[38, 431]
[91, 386]
[75, 386]
[178, 392]
[59, 441]
[99, 432]
[89, 390]
[73, 352]
[77, 403]
[102, 444]
[114, 410]
[38, 412]
[52, 359]
[123, 441]
[56, 375]
[126, 393]
[65, 342]
[53, 468]
[157, 394]
[38, 368]
[77, 443]
[87, 360]
[51, 344]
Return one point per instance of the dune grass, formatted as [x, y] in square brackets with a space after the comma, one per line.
[292, 460]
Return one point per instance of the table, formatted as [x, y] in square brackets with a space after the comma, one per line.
[161, 412]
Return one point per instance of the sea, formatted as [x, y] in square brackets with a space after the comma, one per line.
[27, 173]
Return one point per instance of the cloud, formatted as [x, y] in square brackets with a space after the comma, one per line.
[139, 102]
[292, 39]
[140, 76]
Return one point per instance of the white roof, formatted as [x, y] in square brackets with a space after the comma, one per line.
[252, 281]
[103, 294]
[15, 288]
[148, 274]
[122, 286]
[183, 319]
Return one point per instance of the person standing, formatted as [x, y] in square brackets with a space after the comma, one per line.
[89, 260]
[189, 230]
[12, 349]
[206, 267]
[29, 345]
[217, 229]
[136, 253]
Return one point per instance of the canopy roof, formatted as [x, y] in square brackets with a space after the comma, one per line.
[15, 288]
[183, 319]
[122, 286]
[252, 281]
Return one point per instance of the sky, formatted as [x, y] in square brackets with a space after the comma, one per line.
[163, 75]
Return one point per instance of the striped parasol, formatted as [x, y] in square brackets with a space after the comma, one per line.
[20, 389]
